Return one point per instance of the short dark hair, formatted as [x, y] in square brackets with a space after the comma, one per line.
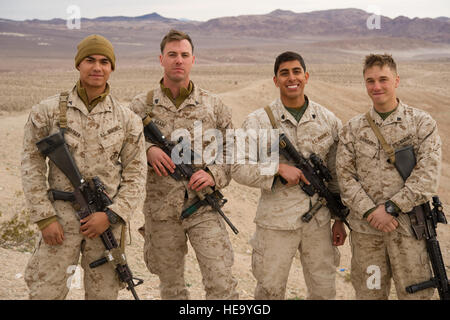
[288, 56]
[175, 35]
[379, 60]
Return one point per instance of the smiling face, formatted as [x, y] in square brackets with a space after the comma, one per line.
[381, 84]
[94, 71]
[291, 80]
[177, 60]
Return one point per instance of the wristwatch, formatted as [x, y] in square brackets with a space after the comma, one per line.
[391, 208]
[112, 216]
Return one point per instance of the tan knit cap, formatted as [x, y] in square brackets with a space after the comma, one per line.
[95, 44]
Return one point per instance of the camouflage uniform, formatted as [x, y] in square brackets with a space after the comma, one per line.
[108, 143]
[280, 232]
[165, 233]
[366, 180]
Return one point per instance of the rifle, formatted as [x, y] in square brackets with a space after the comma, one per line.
[89, 197]
[184, 171]
[424, 223]
[317, 174]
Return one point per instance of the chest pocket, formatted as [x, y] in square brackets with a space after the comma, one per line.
[72, 141]
[366, 159]
[193, 114]
[365, 152]
[111, 143]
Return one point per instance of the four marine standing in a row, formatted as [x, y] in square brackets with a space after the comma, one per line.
[107, 140]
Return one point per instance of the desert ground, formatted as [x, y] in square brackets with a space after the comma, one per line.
[242, 86]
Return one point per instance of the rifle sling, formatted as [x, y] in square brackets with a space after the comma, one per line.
[149, 102]
[387, 147]
[63, 98]
[271, 117]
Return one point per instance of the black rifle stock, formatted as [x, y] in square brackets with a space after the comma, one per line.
[425, 224]
[424, 220]
[90, 197]
[317, 174]
[184, 171]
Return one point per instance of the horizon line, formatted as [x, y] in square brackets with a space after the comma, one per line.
[191, 20]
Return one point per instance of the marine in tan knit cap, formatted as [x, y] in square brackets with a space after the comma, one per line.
[95, 44]
[106, 141]
[95, 60]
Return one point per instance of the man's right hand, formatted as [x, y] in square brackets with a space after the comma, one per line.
[53, 234]
[291, 174]
[160, 161]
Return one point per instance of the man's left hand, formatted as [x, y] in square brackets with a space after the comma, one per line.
[94, 225]
[339, 233]
[201, 179]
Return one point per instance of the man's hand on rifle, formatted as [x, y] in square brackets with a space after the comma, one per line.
[201, 179]
[53, 234]
[160, 161]
[381, 220]
[339, 233]
[291, 174]
[94, 225]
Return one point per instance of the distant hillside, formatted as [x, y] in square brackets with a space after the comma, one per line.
[339, 22]
[278, 23]
[341, 29]
[148, 17]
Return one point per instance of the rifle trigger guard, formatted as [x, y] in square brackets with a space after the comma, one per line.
[222, 202]
[139, 282]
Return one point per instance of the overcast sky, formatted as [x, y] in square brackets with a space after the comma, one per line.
[203, 10]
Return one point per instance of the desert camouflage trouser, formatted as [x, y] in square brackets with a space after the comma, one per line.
[50, 269]
[165, 249]
[273, 251]
[376, 259]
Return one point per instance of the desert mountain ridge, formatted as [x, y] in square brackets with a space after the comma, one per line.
[278, 23]
[236, 39]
